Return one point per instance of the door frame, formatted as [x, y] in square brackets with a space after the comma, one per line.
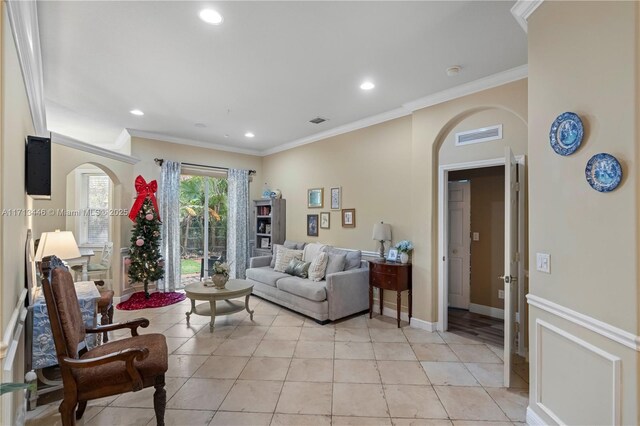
[443, 226]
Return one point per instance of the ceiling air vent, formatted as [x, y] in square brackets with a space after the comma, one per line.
[484, 134]
[318, 120]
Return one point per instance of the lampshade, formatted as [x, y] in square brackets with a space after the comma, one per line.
[382, 232]
[58, 243]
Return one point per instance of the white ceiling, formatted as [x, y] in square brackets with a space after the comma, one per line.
[269, 68]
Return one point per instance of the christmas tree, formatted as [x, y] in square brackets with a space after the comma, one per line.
[146, 263]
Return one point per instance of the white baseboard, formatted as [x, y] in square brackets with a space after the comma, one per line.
[486, 310]
[404, 316]
[533, 419]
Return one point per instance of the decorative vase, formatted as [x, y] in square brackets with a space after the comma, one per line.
[404, 257]
[219, 280]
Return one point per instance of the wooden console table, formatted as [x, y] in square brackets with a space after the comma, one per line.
[389, 276]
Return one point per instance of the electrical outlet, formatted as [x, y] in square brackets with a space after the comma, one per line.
[500, 294]
[476, 236]
[543, 262]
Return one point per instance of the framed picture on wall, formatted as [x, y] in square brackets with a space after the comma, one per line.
[325, 219]
[348, 218]
[336, 192]
[315, 198]
[312, 225]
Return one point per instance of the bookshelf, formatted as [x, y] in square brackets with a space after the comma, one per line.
[269, 224]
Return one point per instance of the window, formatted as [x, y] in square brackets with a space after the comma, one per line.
[94, 204]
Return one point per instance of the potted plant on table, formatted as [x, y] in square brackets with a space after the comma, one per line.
[404, 247]
[220, 274]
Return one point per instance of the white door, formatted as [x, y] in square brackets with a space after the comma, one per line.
[510, 259]
[459, 263]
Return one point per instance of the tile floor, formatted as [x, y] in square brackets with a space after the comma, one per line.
[285, 369]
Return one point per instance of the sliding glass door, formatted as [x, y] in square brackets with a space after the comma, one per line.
[203, 225]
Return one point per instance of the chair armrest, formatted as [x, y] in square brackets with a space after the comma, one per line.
[347, 292]
[132, 324]
[127, 355]
[259, 261]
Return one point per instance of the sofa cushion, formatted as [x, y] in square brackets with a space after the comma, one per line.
[312, 250]
[303, 288]
[318, 267]
[284, 256]
[293, 245]
[354, 257]
[265, 275]
[275, 249]
[298, 268]
[335, 263]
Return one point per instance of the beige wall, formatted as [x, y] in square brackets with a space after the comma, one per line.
[587, 64]
[371, 166]
[487, 218]
[15, 125]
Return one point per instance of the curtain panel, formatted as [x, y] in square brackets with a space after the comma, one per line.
[238, 222]
[170, 215]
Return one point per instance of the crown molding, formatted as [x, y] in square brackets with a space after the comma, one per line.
[489, 82]
[523, 9]
[346, 128]
[92, 149]
[191, 142]
[23, 19]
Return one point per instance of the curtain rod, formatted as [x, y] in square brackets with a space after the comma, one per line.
[159, 162]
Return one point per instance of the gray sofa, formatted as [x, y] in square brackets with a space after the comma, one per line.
[339, 295]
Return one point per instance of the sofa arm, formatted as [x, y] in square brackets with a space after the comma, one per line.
[260, 261]
[348, 292]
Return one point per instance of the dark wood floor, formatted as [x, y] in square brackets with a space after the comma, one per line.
[476, 326]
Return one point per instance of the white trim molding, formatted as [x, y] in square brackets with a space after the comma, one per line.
[616, 380]
[489, 311]
[602, 328]
[523, 9]
[533, 419]
[23, 19]
[404, 316]
[92, 149]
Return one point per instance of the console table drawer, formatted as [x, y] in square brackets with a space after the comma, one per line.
[384, 281]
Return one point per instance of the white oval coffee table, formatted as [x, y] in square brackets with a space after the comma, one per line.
[217, 300]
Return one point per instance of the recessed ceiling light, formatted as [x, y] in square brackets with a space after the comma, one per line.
[136, 112]
[200, 125]
[367, 85]
[211, 16]
[249, 135]
[454, 70]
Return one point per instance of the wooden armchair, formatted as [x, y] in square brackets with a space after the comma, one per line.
[116, 367]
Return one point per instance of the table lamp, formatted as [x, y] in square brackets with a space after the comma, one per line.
[59, 243]
[382, 233]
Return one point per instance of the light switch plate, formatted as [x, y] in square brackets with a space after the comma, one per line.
[500, 294]
[476, 236]
[543, 262]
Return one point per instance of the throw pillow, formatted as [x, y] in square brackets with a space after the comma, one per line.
[284, 256]
[318, 267]
[311, 251]
[353, 258]
[335, 263]
[298, 268]
[293, 245]
[276, 247]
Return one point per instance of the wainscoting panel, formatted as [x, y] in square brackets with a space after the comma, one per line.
[576, 382]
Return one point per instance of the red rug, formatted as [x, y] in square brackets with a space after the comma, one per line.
[157, 300]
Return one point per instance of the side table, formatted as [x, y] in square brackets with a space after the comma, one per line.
[389, 276]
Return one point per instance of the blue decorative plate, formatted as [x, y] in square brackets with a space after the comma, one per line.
[566, 133]
[603, 172]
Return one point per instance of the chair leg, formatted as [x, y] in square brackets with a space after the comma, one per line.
[80, 411]
[105, 320]
[159, 400]
[67, 412]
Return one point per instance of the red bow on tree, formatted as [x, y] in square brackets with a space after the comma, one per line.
[144, 190]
